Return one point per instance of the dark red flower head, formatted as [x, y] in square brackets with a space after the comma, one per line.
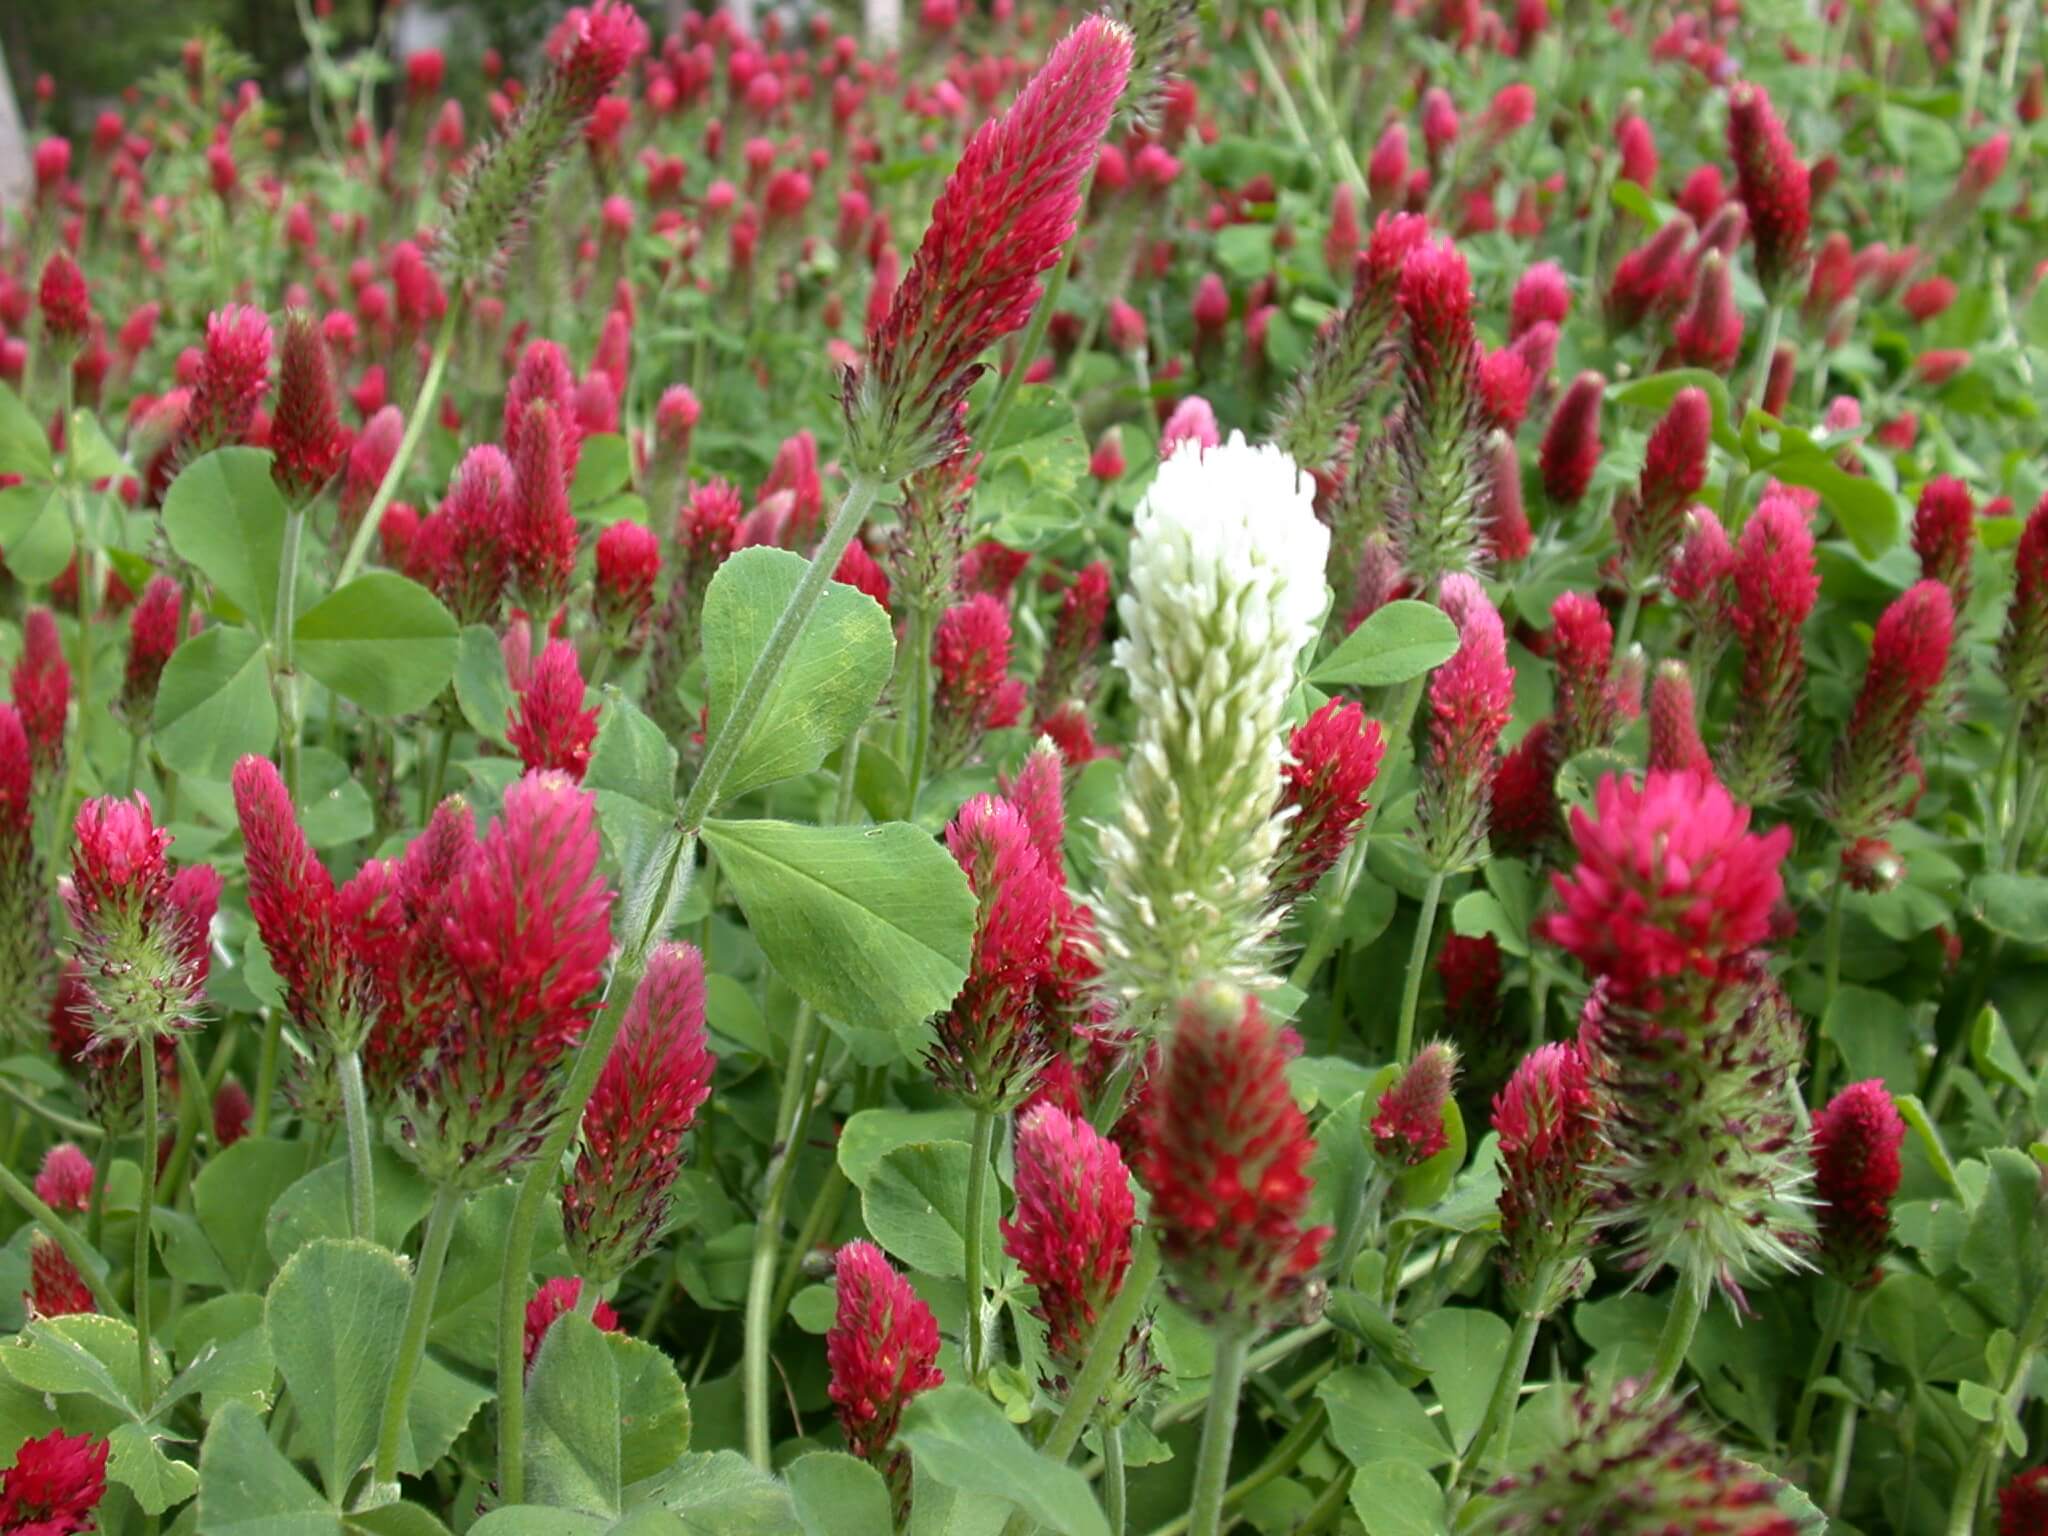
[1877, 767]
[1674, 469]
[64, 301]
[1675, 743]
[307, 442]
[153, 633]
[1332, 759]
[1571, 444]
[56, 1289]
[234, 376]
[1945, 535]
[1773, 184]
[291, 898]
[1856, 1142]
[42, 689]
[2023, 1504]
[549, 727]
[1709, 334]
[883, 1347]
[54, 1485]
[1548, 1118]
[540, 533]
[974, 692]
[1588, 712]
[628, 566]
[1073, 1227]
[1408, 1122]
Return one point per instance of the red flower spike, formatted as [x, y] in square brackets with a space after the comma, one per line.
[1470, 699]
[1072, 1231]
[550, 728]
[1037, 794]
[1549, 1120]
[56, 1288]
[1856, 1172]
[883, 1347]
[2023, 1504]
[540, 533]
[1773, 185]
[555, 1298]
[64, 1182]
[543, 377]
[154, 629]
[1773, 585]
[1652, 278]
[1508, 535]
[1332, 759]
[65, 302]
[628, 566]
[1709, 334]
[1649, 526]
[1876, 768]
[1588, 712]
[231, 1112]
[1225, 1156]
[470, 572]
[55, 1484]
[291, 898]
[42, 690]
[369, 457]
[974, 692]
[2023, 647]
[1945, 535]
[234, 376]
[1470, 971]
[1067, 674]
[1408, 1122]
[860, 570]
[120, 874]
[1675, 744]
[1541, 293]
[307, 442]
[1005, 213]
[1571, 445]
[616, 1202]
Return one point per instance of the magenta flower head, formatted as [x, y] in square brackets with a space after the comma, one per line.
[64, 1182]
[65, 303]
[1856, 1141]
[27, 961]
[1549, 1119]
[231, 1111]
[1649, 526]
[883, 1347]
[1408, 1122]
[56, 1288]
[2023, 647]
[369, 456]
[154, 629]
[1438, 516]
[990, 1043]
[1588, 712]
[554, 1301]
[540, 533]
[1945, 535]
[1773, 184]
[2023, 1504]
[141, 947]
[1332, 759]
[1651, 278]
[616, 1202]
[549, 727]
[1073, 1227]
[41, 684]
[1470, 699]
[1000, 221]
[1709, 334]
[1675, 744]
[628, 566]
[471, 572]
[307, 443]
[1068, 673]
[234, 376]
[1509, 537]
[1571, 444]
[1876, 771]
[1774, 583]
[54, 1485]
[974, 692]
[523, 930]
[1225, 1156]
[1631, 1463]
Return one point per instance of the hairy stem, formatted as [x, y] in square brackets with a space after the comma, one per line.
[1418, 961]
[412, 1343]
[144, 1216]
[1687, 1306]
[415, 428]
[1219, 1432]
[362, 1188]
[973, 1342]
[798, 1083]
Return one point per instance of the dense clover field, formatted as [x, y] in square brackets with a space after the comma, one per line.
[1163, 771]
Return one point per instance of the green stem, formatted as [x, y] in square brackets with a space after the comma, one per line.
[1105, 1350]
[362, 1188]
[1683, 1320]
[266, 1072]
[1219, 1432]
[1507, 1391]
[96, 1204]
[1631, 610]
[191, 1107]
[760, 1323]
[1269, 72]
[144, 1214]
[2030, 797]
[284, 680]
[1823, 1351]
[973, 1342]
[1418, 960]
[412, 1343]
[415, 428]
[922, 628]
[84, 1130]
[1831, 978]
[1760, 367]
[1975, 32]
[80, 1253]
[588, 1295]
[1113, 1492]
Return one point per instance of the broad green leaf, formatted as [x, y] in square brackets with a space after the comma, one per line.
[317, 1205]
[24, 447]
[83, 1353]
[654, 1410]
[1245, 251]
[1026, 492]
[603, 466]
[957, 1436]
[838, 1496]
[1398, 1498]
[440, 1409]
[233, 1365]
[394, 1520]
[915, 1204]
[381, 641]
[482, 690]
[88, 456]
[633, 774]
[2015, 906]
[873, 925]
[721, 1493]
[213, 705]
[136, 1460]
[1656, 391]
[871, 1134]
[537, 1520]
[35, 533]
[1373, 1418]
[334, 1315]
[834, 673]
[233, 1196]
[2001, 1255]
[225, 516]
[572, 1420]
[248, 1488]
[1997, 1058]
[1401, 640]
[1462, 1348]
[1870, 515]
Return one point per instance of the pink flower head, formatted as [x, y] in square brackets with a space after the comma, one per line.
[1072, 1231]
[1548, 1118]
[555, 1299]
[1408, 1122]
[883, 1347]
[234, 376]
[549, 727]
[861, 571]
[153, 633]
[1193, 419]
[592, 50]
[54, 1485]
[1588, 712]
[1508, 535]
[676, 416]
[2023, 1504]
[64, 1182]
[1067, 673]
[1856, 1142]
[470, 567]
[1541, 294]
[1001, 220]
[974, 692]
[1670, 885]
[1332, 759]
[1772, 183]
[544, 377]
[1571, 444]
[369, 459]
[1773, 586]
[1653, 278]
[1876, 768]
[616, 1202]
[42, 690]
[540, 534]
[231, 1111]
[292, 899]
[628, 566]
[64, 301]
[1439, 440]
[1945, 535]
[990, 1042]
[307, 442]
[56, 1289]
[1225, 1156]
[1470, 699]
[1675, 744]
[120, 873]
[1674, 468]
[2023, 647]
[1709, 334]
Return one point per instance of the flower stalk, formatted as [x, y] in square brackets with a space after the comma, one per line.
[412, 1343]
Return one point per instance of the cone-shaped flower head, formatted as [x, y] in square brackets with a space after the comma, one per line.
[64, 302]
[142, 940]
[1408, 1121]
[990, 1043]
[56, 1288]
[1856, 1141]
[1068, 673]
[1470, 699]
[153, 633]
[1709, 334]
[1438, 517]
[973, 692]
[1571, 444]
[999, 223]
[307, 443]
[2023, 1504]
[231, 1111]
[369, 456]
[1876, 773]
[1631, 1465]
[1072, 1231]
[1773, 184]
[42, 691]
[234, 375]
[540, 533]
[1548, 1118]
[2023, 647]
[617, 1200]
[1675, 744]
[470, 574]
[1225, 1156]
[552, 1302]
[883, 1347]
[628, 567]
[27, 965]
[1588, 712]
[1945, 535]
[64, 1182]
[549, 727]
[1332, 759]
[1774, 584]
[524, 929]
[1225, 589]
[54, 1485]
[1674, 468]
